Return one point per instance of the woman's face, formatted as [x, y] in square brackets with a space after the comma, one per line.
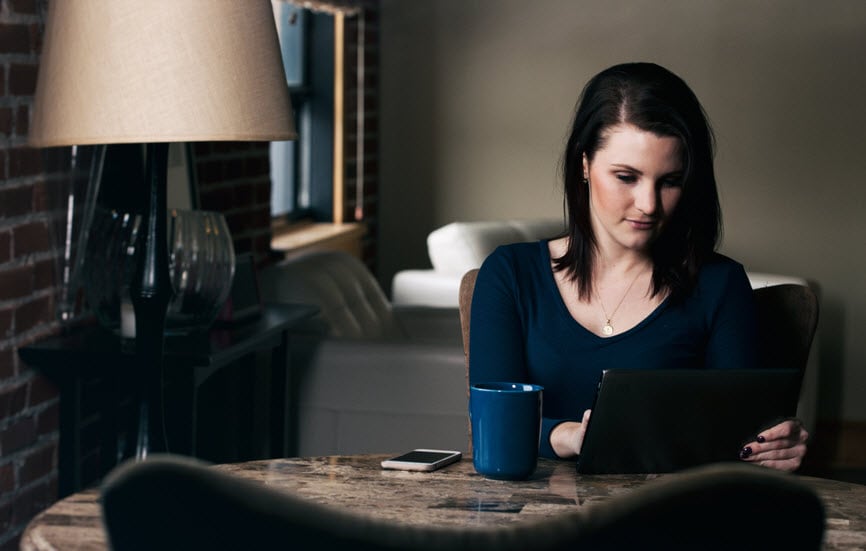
[635, 182]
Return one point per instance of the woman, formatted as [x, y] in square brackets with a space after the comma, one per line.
[635, 282]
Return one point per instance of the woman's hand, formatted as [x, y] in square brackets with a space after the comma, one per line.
[566, 438]
[780, 447]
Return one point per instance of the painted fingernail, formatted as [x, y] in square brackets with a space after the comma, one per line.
[745, 452]
[761, 439]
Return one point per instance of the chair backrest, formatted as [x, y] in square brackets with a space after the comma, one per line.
[704, 508]
[351, 302]
[467, 287]
[171, 502]
[787, 320]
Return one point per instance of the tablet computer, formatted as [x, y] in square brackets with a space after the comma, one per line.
[657, 421]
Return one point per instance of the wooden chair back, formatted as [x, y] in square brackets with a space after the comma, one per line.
[467, 286]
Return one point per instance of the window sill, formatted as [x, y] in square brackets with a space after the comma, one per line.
[319, 236]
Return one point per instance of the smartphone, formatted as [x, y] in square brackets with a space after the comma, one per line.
[422, 460]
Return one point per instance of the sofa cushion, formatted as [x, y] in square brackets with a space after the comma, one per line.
[459, 247]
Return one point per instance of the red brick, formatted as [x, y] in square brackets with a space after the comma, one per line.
[5, 121]
[14, 39]
[259, 166]
[217, 199]
[263, 193]
[32, 501]
[16, 282]
[41, 390]
[24, 161]
[48, 420]
[22, 79]
[7, 479]
[13, 401]
[237, 222]
[46, 198]
[5, 323]
[18, 435]
[16, 201]
[210, 172]
[244, 194]
[39, 464]
[22, 121]
[28, 7]
[235, 169]
[33, 313]
[5, 247]
[43, 275]
[32, 237]
[37, 37]
[6, 516]
[7, 364]
[261, 218]
[56, 160]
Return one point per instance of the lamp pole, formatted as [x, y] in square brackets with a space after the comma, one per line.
[151, 292]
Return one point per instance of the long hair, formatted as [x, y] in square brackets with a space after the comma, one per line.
[655, 100]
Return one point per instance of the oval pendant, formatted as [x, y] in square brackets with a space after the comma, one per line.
[607, 329]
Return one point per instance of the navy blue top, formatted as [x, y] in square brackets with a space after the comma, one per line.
[521, 331]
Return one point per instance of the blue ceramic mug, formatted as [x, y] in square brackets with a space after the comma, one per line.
[506, 426]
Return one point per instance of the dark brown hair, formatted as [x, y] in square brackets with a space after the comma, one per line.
[653, 99]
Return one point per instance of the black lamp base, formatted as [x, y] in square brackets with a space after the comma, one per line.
[151, 293]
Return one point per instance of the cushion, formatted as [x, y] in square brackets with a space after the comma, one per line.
[459, 247]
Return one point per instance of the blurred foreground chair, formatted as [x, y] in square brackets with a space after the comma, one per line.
[787, 319]
[367, 376]
[168, 502]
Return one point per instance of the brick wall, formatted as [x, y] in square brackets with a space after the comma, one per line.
[28, 403]
[233, 178]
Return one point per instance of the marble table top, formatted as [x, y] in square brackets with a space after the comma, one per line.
[453, 495]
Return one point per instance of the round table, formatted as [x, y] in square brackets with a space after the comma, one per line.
[454, 495]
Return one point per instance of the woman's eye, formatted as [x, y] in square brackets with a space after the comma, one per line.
[672, 182]
[628, 178]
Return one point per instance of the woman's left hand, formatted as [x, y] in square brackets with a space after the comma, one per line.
[780, 447]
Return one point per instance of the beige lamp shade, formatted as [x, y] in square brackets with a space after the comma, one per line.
[130, 71]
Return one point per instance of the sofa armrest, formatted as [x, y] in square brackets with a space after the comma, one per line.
[363, 396]
[425, 287]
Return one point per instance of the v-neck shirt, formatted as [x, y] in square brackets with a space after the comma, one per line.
[522, 331]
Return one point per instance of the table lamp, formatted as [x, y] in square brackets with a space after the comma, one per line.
[154, 72]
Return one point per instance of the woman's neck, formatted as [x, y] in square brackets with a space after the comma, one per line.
[620, 263]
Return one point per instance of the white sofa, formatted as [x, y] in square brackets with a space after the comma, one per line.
[455, 249]
[458, 247]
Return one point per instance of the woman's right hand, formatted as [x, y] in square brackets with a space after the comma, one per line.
[566, 438]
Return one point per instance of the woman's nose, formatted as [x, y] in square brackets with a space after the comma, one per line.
[646, 198]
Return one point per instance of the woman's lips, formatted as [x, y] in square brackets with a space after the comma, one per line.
[642, 224]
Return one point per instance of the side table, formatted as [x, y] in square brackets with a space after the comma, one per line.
[91, 369]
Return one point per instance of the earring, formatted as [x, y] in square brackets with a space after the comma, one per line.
[586, 181]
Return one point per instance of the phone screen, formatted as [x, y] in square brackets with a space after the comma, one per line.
[422, 460]
[419, 456]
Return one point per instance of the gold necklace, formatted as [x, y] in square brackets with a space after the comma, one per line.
[607, 328]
